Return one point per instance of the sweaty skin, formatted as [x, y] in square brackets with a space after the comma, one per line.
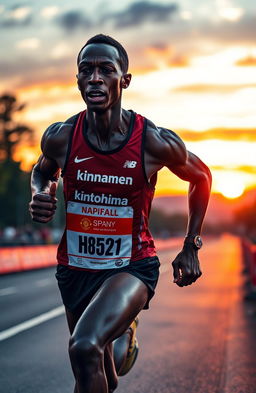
[99, 71]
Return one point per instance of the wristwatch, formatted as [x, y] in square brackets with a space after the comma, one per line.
[196, 240]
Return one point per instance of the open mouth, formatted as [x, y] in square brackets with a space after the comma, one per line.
[96, 95]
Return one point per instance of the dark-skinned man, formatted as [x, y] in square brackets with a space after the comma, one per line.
[107, 265]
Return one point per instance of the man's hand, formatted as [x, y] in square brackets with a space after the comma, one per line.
[186, 268]
[43, 205]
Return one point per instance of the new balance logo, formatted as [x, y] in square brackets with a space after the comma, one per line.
[130, 164]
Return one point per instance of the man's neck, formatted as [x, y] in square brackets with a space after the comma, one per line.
[106, 128]
[106, 123]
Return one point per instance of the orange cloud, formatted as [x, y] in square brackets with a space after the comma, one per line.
[163, 55]
[212, 88]
[241, 168]
[218, 133]
[248, 61]
[141, 69]
[179, 61]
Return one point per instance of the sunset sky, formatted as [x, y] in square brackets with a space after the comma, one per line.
[193, 66]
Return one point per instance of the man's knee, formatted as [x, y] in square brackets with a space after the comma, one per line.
[85, 351]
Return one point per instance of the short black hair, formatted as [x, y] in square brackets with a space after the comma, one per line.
[106, 39]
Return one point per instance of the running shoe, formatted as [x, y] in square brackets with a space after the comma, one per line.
[132, 350]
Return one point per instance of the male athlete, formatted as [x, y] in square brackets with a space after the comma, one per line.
[107, 264]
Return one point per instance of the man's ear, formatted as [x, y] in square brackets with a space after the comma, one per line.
[126, 80]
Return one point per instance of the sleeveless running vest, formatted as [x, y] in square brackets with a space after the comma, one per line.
[108, 200]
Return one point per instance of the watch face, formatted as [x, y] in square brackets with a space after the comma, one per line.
[198, 241]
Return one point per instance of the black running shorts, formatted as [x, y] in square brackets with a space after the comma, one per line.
[77, 287]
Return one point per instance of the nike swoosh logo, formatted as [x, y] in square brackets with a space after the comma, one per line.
[77, 160]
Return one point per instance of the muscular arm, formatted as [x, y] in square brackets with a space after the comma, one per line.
[44, 180]
[198, 175]
[45, 174]
[165, 148]
[186, 266]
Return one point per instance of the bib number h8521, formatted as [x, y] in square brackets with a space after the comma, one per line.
[99, 246]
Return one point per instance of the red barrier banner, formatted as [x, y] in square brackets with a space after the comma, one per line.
[14, 259]
[253, 266]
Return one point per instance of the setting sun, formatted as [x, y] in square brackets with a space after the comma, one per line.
[230, 185]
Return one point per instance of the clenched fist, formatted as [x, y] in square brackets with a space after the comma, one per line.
[43, 205]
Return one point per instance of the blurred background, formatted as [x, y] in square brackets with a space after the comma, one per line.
[193, 66]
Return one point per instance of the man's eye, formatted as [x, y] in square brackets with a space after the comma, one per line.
[107, 70]
[85, 71]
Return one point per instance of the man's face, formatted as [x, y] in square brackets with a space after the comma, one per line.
[100, 78]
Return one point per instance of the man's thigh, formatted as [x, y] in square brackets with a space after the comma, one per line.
[112, 309]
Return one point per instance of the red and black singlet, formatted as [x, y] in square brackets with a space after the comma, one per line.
[108, 200]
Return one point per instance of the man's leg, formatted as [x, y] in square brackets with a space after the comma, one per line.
[108, 315]
[110, 368]
[116, 351]
[72, 319]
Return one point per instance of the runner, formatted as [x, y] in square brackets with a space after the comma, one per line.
[107, 265]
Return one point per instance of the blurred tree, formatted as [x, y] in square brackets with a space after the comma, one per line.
[11, 133]
[14, 184]
[14, 194]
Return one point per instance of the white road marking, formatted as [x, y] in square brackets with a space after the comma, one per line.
[8, 291]
[31, 323]
[46, 316]
[44, 282]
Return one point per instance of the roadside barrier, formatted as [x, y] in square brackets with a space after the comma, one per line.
[253, 266]
[249, 257]
[16, 259]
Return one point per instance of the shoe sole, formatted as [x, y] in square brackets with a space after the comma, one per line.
[134, 356]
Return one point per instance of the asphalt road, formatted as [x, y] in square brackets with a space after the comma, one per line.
[197, 339]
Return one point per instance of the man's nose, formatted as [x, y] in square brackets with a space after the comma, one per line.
[95, 77]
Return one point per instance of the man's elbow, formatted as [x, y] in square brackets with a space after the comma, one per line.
[203, 177]
[206, 177]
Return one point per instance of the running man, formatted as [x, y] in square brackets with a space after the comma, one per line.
[107, 265]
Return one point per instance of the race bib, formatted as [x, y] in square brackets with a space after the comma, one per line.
[99, 237]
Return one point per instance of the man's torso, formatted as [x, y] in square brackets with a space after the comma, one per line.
[108, 200]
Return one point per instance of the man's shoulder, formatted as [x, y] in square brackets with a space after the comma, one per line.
[163, 142]
[57, 134]
[58, 127]
[161, 135]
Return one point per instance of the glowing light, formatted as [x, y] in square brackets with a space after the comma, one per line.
[49, 12]
[27, 155]
[230, 154]
[231, 14]
[186, 15]
[225, 57]
[28, 43]
[228, 11]
[230, 185]
[61, 50]
[20, 13]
